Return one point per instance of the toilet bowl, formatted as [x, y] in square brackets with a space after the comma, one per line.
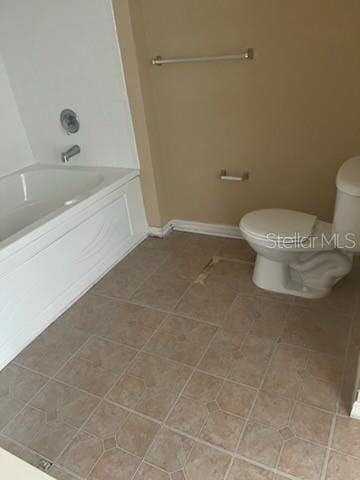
[298, 254]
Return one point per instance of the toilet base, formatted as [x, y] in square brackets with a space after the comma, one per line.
[280, 278]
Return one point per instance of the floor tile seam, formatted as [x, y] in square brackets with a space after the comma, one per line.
[150, 273]
[190, 377]
[141, 351]
[161, 310]
[177, 431]
[76, 433]
[344, 454]
[28, 449]
[197, 437]
[90, 472]
[347, 350]
[172, 311]
[221, 258]
[205, 422]
[116, 376]
[103, 398]
[300, 437]
[49, 379]
[328, 450]
[290, 416]
[164, 421]
[314, 407]
[322, 410]
[29, 369]
[147, 462]
[168, 310]
[240, 350]
[227, 473]
[332, 433]
[335, 383]
[133, 361]
[160, 423]
[312, 350]
[66, 470]
[292, 399]
[115, 342]
[274, 470]
[63, 363]
[323, 308]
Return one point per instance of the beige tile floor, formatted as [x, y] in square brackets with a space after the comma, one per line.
[159, 374]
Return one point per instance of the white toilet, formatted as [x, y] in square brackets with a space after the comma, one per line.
[297, 254]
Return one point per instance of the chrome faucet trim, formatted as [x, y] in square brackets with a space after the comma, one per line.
[71, 152]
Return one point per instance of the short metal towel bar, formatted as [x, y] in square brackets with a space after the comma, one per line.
[248, 55]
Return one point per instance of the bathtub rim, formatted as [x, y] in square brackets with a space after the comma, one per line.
[114, 178]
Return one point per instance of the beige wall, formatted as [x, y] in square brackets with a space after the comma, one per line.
[290, 117]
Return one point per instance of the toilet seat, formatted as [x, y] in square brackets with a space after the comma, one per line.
[275, 224]
[296, 254]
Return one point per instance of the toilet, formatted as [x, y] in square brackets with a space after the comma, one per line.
[298, 254]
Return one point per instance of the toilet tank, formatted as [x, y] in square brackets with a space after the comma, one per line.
[346, 222]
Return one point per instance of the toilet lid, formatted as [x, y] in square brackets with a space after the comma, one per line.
[289, 225]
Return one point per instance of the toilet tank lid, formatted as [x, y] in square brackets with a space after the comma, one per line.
[280, 223]
[348, 177]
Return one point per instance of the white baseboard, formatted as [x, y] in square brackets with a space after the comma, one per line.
[355, 411]
[218, 230]
[228, 231]
[160, 231]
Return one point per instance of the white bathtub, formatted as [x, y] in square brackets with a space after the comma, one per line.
[61, 229]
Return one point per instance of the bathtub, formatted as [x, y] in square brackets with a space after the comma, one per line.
[61, 229]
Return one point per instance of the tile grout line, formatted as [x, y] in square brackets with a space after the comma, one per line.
[28, 404]
[275, 349]
[141, 351]
[169, 255]
[103, 398]
[200, 320]
[163, 423]
[249, 414]
[196, 439]
[53, 378]
[49, 379]
[333, 425]
[134, 411]
[157, 355]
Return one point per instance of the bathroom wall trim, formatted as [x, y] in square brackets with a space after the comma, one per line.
[355, 411]
[218, 230]
[161, 231]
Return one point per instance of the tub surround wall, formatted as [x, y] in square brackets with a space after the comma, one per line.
[65, 54]
[139, 100]
[291, 117]
[15, 151]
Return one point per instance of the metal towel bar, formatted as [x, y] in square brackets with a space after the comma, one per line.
[248, 55]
